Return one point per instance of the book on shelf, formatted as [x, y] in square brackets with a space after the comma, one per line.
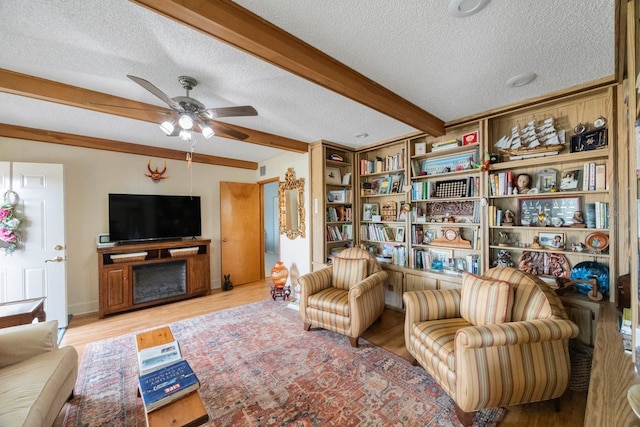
[156, 357]
[601, 177]
[165, 385]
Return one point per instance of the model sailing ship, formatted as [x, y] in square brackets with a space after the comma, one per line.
[532, 140]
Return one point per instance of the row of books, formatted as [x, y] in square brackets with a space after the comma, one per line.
[382, 164]
[393, 254]
[164, 376]
[384, 185]
[501, 183]
[597, 215]
[339, 213]
[381, 233]
[445, 144]
[464, 187]
[336, 233]
[594, 177]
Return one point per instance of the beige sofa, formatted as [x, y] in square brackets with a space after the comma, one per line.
[36, 376]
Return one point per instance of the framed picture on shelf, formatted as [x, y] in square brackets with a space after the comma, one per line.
[571, 180]
[369, 210]
[396, 183]
[551, 240]
[421, 148]
[547, 180]
[332, 176]
[543, 211]
[338, 196]
[400, 234]
[385, 185]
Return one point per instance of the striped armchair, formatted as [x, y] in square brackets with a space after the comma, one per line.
[501, 340]
[346, 297]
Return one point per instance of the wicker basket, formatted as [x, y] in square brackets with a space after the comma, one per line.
[183, 252]
[135, 256]
[580, 355]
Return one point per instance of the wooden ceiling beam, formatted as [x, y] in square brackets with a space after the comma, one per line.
[48, 90]
[238, 27]
[20, 132]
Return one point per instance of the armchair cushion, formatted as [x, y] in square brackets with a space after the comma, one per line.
[330, 300]
[439, 337]
[348, 271]
[485, 301]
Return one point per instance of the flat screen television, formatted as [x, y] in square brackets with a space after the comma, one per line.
[141, 217]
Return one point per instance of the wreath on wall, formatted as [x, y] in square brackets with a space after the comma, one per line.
[9, 223]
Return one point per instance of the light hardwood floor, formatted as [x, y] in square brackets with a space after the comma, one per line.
[388, 334]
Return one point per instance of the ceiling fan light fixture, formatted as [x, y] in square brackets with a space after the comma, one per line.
[185, 135]
[167, 126]
[185, 121]
[207, 131]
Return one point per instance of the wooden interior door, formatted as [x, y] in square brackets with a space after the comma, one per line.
[241, 231]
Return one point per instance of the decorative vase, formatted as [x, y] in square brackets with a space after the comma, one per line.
[279, 275]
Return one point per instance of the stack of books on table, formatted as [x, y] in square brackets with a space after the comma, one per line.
[164, 376]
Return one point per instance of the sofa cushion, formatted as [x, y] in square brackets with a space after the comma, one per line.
[331, 300]
[348, 272]
[439, 337]
[18, 343]
[33, 391]
[485, 301]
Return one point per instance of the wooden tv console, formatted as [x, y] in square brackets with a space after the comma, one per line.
[119, 267]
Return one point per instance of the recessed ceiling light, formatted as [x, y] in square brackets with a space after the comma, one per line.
[521, 80]
[462, 8]
[362, 135]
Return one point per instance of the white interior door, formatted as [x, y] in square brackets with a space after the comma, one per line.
[37, 268]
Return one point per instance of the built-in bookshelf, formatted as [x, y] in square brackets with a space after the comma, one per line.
[445, 211]
[550, 213]
[333, 210]
[382, 196]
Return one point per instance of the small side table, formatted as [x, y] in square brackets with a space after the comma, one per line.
[281, 292]
[22, 312]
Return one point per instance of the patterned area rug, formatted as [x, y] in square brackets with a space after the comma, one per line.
[257, 367]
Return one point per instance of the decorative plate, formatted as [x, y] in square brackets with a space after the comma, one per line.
[633, 396]
[586, 271]
[545, 264]
[597, 241]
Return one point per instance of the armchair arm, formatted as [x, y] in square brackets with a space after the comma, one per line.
[18, 343]
[515, 333]
[366, 302]
[312, 283]
[512, 363]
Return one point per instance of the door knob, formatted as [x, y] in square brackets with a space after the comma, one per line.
[56, 259]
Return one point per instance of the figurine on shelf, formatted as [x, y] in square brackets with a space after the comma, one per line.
[504, 259]
[522, 183]
[507, 218]
[578, 247]
[578, 220]
[536, 243]
[504, 239]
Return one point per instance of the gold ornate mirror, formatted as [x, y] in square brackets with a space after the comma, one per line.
[291, 200]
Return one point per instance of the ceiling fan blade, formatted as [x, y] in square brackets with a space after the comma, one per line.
[157, 92]
[221, 129]
[245, 110]
[130, 108]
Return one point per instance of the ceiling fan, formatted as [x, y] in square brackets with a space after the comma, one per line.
[191, 115]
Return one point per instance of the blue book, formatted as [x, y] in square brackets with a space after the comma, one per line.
[167, 384]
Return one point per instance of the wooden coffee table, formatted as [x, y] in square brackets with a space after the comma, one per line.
[187, 411]
[22, 312]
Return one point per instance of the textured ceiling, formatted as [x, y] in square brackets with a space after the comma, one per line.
[450, 67]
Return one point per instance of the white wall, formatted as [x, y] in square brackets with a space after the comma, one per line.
[90, 175]
[296, 253]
